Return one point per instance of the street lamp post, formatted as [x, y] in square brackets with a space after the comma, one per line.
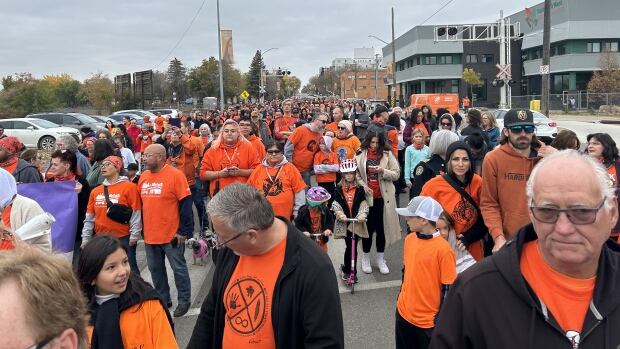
[262, 85]
[219, 43]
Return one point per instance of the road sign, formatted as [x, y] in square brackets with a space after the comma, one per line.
[244, 94]
[504, 71]
[544, 69]
[262, 89]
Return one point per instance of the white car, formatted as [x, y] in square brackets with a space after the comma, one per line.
[546, 129]
[37, 133]
[137, 112]
[173, 113]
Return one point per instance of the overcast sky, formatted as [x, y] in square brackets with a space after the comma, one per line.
[117, 37]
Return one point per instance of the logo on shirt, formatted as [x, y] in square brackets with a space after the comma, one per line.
[151, 189]
[312, 146]
[100, 199]
[464, 213]
[574, 338]
[342, 153]
[246, 305]
[272, 187]
[516, 176]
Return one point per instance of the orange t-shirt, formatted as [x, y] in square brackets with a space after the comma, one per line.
[306, 145]
[324, 158]
[159, 124]
[6, 217]
[144, 326]
[258, 145]
[346, 148]
[349, 196]
[248, 300]
[429, 264]
[278, 188]
[241, 155]
[161, 193]
[332, 126]
[142, 143]
[567, 298]
[283, 124]
[200, 149]
[12, 167]
[315, 225]
[612, 174]
[124, 193]
[393, 137]
[462, 212]
[421, 127]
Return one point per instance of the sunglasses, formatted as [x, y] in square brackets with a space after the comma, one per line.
[446, 124]
[273, 152]
[323, 121]
[341, 128]
[518, 129]
[577, 216]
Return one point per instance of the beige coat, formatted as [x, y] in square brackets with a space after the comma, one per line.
[391, 172]
[341, 226]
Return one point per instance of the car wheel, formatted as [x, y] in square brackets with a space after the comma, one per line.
[47, 143]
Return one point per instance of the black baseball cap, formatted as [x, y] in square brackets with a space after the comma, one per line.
[519, 117]
[380, 109]
[295, 110]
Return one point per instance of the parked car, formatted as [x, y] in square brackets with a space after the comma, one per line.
[75, 120]
[546, 129]
[173, 113]
[37, 133]
[120, 118]
[105, 119]
[139, 112]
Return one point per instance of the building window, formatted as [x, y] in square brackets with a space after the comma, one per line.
[594, 47]
[471, 59]
[433, 60]
[480, 92]
[486, 58]
[561, 82]
[445, 60]
[610, 46]
[454, 86]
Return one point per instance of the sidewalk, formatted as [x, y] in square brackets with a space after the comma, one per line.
[584, 117]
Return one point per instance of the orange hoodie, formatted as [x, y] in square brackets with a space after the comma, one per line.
[185, 160]
[503, 201]
[144, 326]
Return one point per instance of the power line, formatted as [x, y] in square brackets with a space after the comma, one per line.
[182, 35]
[436, 12]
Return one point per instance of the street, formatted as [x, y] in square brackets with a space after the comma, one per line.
[369, 313]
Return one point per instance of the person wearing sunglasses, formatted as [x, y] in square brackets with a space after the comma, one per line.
[446, 122]
[505, 171]
[267, 265]
[557, 278]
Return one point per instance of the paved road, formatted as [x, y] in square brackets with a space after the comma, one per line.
[369, 313]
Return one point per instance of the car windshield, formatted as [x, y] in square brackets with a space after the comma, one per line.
[43, 123]
[85, 119]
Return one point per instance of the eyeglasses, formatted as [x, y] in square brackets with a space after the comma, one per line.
[323, 121]
[577, 216]
[219, 245]
[446, 124]
[341, 128]
[273, 152]
[41, 344]
[527, 128]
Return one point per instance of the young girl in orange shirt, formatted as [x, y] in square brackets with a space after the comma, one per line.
[315, 219]
[326, 165]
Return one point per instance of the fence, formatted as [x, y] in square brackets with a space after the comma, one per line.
[572, 101]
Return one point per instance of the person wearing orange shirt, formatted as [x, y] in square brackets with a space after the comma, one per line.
[284, 126]
[379, 125]
[231, 158]
[119, 191]
[555, 283]
[462, 205]
[429, 268]
[126, 312]
[163, 187]
[303, 144]
[23, 171]
[266, 265]
[144, 139]
[337, 116]
[249, 131]
[279, 181]
[345, 144]
[326, 166]
[159, 123]
[196, 188]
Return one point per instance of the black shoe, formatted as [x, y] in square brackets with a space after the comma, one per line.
[169, 304]
[181, 309]
[344, 276]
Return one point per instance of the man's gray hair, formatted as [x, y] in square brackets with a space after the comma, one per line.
[440, 140]
[602, 176]
[241, 207]
[316, 115]
[69, 142]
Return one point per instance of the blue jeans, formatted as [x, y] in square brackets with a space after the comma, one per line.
[155, 255]
[198, 197]
[133, 263]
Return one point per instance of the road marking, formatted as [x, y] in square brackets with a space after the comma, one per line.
[369, 287]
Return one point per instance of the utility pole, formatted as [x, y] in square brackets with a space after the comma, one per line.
[544, 98]
[376, 72]
[219, 43]
[394, 63]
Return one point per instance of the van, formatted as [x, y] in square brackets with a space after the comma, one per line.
[448, 101]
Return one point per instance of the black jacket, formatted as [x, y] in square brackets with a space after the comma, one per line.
[491, 306]
[425, 171]
[360, 196]
[305, 311]
[303, 221]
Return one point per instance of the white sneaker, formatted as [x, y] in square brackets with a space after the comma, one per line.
[366, 268]
[383, 268]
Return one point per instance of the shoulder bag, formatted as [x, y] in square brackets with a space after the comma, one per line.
[117, 212]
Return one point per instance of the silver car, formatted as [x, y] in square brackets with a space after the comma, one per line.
[546, 129]
[37, 133]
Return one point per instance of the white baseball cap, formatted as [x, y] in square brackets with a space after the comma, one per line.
[422, 206]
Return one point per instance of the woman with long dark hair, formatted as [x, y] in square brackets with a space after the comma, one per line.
[102, 149]
[377, 169]
[126, 312]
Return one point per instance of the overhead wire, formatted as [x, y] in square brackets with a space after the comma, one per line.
[436, 12]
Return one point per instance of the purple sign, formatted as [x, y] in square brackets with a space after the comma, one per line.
[59, 199]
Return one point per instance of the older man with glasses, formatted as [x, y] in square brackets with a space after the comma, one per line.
[272, 285]
[505, 171]
[553, 286]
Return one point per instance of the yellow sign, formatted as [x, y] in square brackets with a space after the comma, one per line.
[245, 94]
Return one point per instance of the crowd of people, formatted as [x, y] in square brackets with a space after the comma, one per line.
[489, 260]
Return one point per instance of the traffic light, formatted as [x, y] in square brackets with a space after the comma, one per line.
[497, 83]
[450, 30]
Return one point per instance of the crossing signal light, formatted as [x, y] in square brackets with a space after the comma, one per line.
[450, 30]
[497, 83]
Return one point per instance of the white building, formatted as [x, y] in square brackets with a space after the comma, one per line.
[363, 57]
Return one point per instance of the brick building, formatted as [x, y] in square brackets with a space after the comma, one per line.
[361, 84]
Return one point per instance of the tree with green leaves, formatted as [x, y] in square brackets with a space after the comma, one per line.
[99, 90]
[326, 83]
[177, 78]
[253, 75]
[291, 85]
[67, 90]
[471, 78]
[23, 94]
[203, 80]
